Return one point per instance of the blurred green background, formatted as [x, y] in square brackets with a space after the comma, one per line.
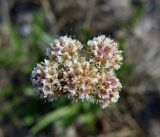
[26, 29]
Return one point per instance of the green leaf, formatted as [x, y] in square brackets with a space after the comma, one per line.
[64, 112]
[28, 120]
[89, 119]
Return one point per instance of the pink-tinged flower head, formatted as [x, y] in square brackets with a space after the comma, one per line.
[64, 48]
[45, 78]
[105, 52]
[108, 88]
[81, 74]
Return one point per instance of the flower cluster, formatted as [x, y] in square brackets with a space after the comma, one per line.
[105, 52]
[78, 73]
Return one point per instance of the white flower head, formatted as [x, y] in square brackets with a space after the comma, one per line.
[85, 76]
[105, 52]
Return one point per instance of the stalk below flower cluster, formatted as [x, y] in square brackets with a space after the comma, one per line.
[78, 73]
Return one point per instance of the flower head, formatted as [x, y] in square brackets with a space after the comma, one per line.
[64, 48]
[68, 73]
[105, 53]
